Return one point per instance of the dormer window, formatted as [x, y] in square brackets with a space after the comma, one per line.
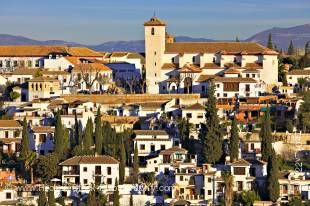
[153, 31]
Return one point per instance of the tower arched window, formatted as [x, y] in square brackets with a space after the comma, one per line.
[194, 59]
[153, 31]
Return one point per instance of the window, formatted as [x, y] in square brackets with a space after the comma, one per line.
[156, 169]
[37, 63]
[155, 74]
[209, 192]
[181, 190]
[29, 63]
[109, 170]
[153, 31]
[197, 126]
[253, 75]
[209, 179]
[247, 87]
[8, 195]
[218, 94]
[213, 60]
[225, 94]
[7, 63]
[164, 88]
[217, 85]
[155, 53]
[0, 63]
[239, 170]
[200, 115]
[247, 75]
[155, 64]
[194, 59]
[172, 59]
[173, 88]
[142, 146]
[162, 147]
[85, 181]
[235, 59]
[109, 181]
[181, 178]
[15, 63]
[84, 169]
[188, 115]
[6, 133]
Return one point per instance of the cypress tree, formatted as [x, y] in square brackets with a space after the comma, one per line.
[131, 200]
[88, 135]
[265, 135]
[106, 137]
[51, 198]
[116, 195]
[59, 135]
[135, 164]
[91, 199]
[211, 133]
[122, 163]
[291, 49]
[273, 187]
[42, 201]
[234, 141]
[98, 133]
[25, 150]
[77, 138]
[237, 39]
[270, 44]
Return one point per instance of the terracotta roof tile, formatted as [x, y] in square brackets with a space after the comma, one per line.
[56, 72]
[24, 71]
[155, 21]
[231, 71]
[73, 60]
[215, 47]
[119, 54]
[150, 132]
[43, 129]
[10, 124]
[204, 77]
[241, 162]
[190, 68]
[100, 159]
[211, 66]
[254, 65]
[83, 52]
[173, 150]
[91, 67]
[299, 72]
[169, 66]
[234, 79]
[195, 106]
[250, 70]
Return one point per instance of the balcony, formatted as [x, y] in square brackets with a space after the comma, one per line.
[71, 172]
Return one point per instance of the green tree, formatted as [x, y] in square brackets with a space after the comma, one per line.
[265, 135]
[116, 195]
[248, 198]
[211, 132]
[122, 163]
[135, 164]
[289, 126]
[77, 137]
[42, 201]
[229, 185]
[131, 200]
[98, 133]
[295, 201]
[47, 166]
[59, 136]
[51, 197]
[91, 199]
[184, 128]
[273, 186]
[29, 162]
[88, 135]
[14, 95]
[304, 113]
[25, 150]
[237, 39]
[270, 43]
[234, 141]
[291, 49]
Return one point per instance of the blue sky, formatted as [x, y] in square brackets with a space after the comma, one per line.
[98, 21]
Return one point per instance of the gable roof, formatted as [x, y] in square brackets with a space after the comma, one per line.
[240, 162]
[92, 67]
[87, 159]
[173, 150]
[150, 132]
[205, 77]
[190, 68]
[299, 72]
[195, 106]
[155, 21]
[215, 47]
[10, 124]
[231, 71]
[169, 66]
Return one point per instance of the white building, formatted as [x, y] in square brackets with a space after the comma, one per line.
[87, 170]
[177, 66]
[293, 76]
[42, 139]
[10, 136]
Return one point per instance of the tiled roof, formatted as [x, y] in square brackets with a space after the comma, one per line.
[150, 132]
[173, 150]
[211, 66]
[92, 67]
[135, 55]
[250, 70]
[119, 54]
[73, 60]
[241, 162]
[43, 129]
[232, 65]
[43, 79]
[155, 21]
[215, 47]
[195, 106]
[100, 159]
[169, 66]
[204, 77]
[254, 65]
[190, 68]
[56, 72]
[231, 71]
[173, 79]
[234, 79]
[44, 50]
[10, 124]
[24, 71]
[299, 72]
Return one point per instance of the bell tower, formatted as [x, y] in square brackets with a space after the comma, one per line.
[154, 34]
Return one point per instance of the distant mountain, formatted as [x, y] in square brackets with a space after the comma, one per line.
[282, 36]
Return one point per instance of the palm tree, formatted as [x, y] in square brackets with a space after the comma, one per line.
[29, 162]
[229, 184]
[302, 83]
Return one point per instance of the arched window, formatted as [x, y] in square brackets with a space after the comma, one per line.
[194, 59]
[153, 31]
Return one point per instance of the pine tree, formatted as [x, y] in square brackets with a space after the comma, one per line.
[51, 198]
[234, 141]
[42, 201]
[135, 164]
[211, 132]
[131, 200]
[88, 135]
[273, 186]
[98, 133]
[59, 135]
[266, 136]
[116, 195]
[270, 44]
[291, 49]
[122, 163]
[25, 150]
[237, 39]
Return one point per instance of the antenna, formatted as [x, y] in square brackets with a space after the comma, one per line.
[154, 14]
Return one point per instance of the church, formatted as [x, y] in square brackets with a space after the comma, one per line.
[244, 69]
